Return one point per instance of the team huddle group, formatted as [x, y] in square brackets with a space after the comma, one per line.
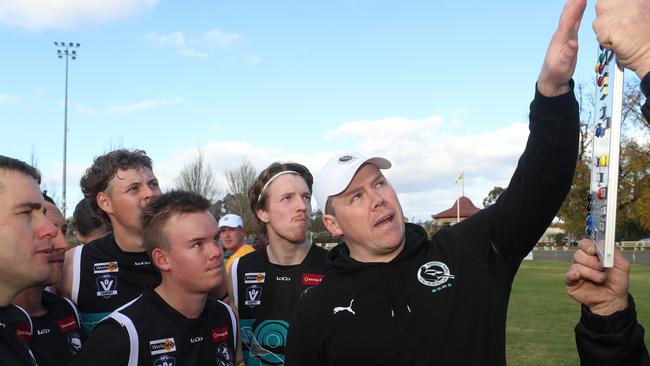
[157, 289]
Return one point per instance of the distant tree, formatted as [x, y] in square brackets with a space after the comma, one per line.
[239, 181]
[492, 196]
[198, 177]
[633, 208]
[317, 228]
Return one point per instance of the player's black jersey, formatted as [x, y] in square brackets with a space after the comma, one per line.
[147, 331]
[105, 278]
[15, 332]
[56, 336]
[266, 295]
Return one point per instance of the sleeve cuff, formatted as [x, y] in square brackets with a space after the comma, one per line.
[611, 324]
[554, 107]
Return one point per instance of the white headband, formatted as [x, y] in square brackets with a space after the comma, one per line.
[259, 198]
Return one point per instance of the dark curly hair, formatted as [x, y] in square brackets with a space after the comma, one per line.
[256, 201]
[104, 168]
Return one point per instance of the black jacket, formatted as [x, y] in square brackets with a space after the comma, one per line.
[615, 340]
[443, 301]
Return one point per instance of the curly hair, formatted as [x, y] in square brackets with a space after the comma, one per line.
[99, 175]
[257, 194]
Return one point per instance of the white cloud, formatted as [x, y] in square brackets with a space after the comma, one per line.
[10, 99]
[35, 15]
[426, 161]
[175, 39]
[219, 38]
[128, 108]
[253, 60]
[192, 53]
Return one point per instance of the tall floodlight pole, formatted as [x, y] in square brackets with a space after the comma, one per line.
[66, 50]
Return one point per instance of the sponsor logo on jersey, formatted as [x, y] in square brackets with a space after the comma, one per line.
[165, 361]
[219, 334]
[196, 339]
[283, 278]
[224, 356]
[24, 332]
[106, 267]
[253, 295]
[68, 324]
[42, 331]
[254, 277]
[106, 286]
[164, 345]
[142, 263]
[311, 279]
[435, 274]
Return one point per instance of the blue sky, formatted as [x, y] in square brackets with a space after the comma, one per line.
[435, 86]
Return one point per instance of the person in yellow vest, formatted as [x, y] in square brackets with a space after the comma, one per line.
[231, 235]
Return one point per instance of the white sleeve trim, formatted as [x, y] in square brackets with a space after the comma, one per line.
[134, 342]
[233, 277]
[76, 273]
[74, 308]
[233, 320]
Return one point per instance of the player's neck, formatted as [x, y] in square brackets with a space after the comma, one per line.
[285, 253]
[191, 305]
[31, 300]
[128, 240]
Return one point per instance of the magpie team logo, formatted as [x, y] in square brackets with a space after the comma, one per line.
[434, 274]
[74, 342]
[225, 356]
[106, 285]
[253, 295]
[165, 361]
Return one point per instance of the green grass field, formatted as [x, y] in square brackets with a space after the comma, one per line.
[541, 316]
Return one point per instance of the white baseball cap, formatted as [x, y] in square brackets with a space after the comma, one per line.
[338, 172]
[231, 220]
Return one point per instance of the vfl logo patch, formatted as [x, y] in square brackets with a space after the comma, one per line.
[219, 334]
[68, 324]
[311, 279]
[159, 346]
[254, 277]
[434, 274]
[106, 286]
[165, 361]
[106, 267]
[253, 295]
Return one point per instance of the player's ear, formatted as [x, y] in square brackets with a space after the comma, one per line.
[332, 225]
[160, 259]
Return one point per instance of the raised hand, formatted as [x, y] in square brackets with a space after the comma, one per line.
[562, 53]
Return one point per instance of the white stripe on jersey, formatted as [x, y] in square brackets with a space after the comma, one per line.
[233, 276]
[76, 273]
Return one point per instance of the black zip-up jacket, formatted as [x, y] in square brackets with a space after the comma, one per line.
[443, 301]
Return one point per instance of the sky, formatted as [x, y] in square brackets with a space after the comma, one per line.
[437, 87]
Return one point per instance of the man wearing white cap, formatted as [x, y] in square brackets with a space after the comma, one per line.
[393, 296]
[231, 235]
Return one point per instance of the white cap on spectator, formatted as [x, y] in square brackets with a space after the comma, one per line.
[231, 220]
[338, 172]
